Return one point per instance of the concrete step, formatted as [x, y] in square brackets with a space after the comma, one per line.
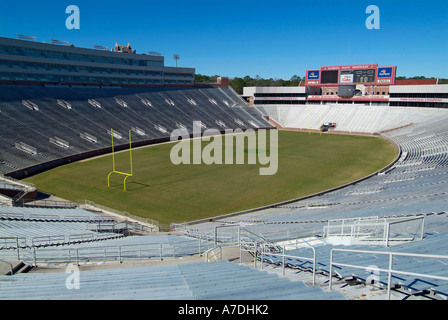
[17, 267]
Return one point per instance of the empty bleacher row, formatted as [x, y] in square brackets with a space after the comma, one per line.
[425, 144]
[30, 228]
[34, 235]
[104, 247]
[45, 214]
[349, 118]
[417, 269]
[189, 281]
[40, 124]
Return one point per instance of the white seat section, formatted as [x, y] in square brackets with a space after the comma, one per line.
[351, 118]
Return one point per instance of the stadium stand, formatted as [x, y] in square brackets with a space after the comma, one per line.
[192, 281]
[388, 230]
[414, 261]
[350, 118]
[76, 121]
[106, 247]
[407, 199]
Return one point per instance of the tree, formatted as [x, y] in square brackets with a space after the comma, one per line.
[238, 85]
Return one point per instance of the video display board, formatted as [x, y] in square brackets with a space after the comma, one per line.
[368, 74]
[329, 76]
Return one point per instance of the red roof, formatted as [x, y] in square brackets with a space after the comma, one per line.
[413, 82]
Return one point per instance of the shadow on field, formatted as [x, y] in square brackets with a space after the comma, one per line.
[133, 185]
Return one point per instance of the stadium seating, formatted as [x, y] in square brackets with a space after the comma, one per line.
[350, 118]
[414, 186]
[23, 230]
[434, 244]
[107, 247]
[192, 281]
[50, 214]
[65, 121]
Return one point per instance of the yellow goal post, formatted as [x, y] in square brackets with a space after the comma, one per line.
[127, 175]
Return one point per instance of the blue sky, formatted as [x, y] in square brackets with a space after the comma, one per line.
[272, 39]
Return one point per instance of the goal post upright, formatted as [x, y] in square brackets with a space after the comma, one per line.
[130, 150]
[127, 175]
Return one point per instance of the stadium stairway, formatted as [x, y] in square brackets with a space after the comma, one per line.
[14, 267]
[190, 281]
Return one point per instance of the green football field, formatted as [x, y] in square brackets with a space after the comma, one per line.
[162, 191]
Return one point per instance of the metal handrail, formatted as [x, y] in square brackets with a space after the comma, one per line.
[284, 256]
[390, 269]
[213, 254]
[220, 227]
[19, 182]
[354, 230]
[35, 241]
[47, 204]
[152, 224]
[113, 253]
[14, 240]
[239, 235]
[397, 222]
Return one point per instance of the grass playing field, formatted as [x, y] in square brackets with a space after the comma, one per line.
[162, 191]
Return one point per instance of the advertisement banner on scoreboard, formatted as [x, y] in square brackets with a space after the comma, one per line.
[346, 78]
[385, 72]
[386, 75]
[313, 76]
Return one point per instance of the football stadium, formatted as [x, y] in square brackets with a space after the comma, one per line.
[122, 178]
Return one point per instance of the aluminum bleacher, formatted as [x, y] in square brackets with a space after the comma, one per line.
[24, 229]
[65, 118]
[191, 281]
[410, 262]
[117, 248]
[350, 118]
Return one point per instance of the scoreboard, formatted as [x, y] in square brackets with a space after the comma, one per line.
[364, 76]
[369, 74]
